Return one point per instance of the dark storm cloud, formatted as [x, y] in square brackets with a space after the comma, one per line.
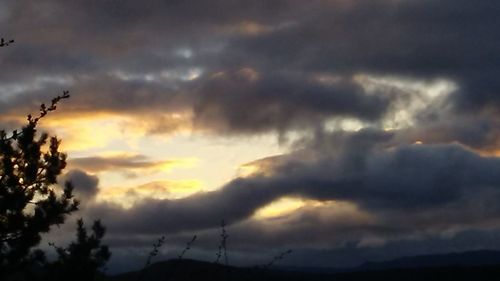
[418, 39]
[242, 101]
[86, 185]
[103, 34]
[422, 39]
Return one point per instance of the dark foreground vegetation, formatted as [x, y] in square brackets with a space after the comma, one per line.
[189, 270]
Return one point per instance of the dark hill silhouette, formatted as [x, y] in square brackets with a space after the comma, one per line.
[463, 259]
[198, 270]
[476, 265]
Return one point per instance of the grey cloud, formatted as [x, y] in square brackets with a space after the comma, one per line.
[419, 39]
[423, 39]
[86, 185]
[105, 94]
[242, 101]
[478, 131]
[119, 162]
[121, 33]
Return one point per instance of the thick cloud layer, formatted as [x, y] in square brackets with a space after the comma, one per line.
[244, 101]
[149, 45]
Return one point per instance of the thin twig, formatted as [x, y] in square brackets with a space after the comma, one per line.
[152, 254]
[277, 258]
[187, 248]
[5, 43]
[222, 245]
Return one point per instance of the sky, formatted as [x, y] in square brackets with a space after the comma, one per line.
[344, 130]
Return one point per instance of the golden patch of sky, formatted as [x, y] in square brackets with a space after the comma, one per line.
[207, 160]
[336, 209]
[282, 206]
[88, 132]
[212, 162]
[218, 158]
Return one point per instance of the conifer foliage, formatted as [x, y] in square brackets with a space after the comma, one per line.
[81, 259]
[30, 202]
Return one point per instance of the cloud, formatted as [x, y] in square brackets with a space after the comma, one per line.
[244, 101]
[479, 132]
[86, 185]
[101, 66]
[164, 189]
[422, 39]
[125, 162]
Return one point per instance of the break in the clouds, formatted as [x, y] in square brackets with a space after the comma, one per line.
[390, 106]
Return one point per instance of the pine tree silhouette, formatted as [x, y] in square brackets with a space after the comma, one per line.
[82, 259]
[32, 201]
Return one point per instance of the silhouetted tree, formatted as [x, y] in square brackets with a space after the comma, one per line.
[31, 202]
[82, 259]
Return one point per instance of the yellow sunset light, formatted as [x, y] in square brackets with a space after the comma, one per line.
[178, 163]
[280, 207]
[165, 189]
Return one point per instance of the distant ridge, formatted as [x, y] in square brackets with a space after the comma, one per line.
[194, 270]
[473, 265]
[461, 259]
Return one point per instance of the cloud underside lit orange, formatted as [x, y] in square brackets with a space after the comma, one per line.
[166, 189]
